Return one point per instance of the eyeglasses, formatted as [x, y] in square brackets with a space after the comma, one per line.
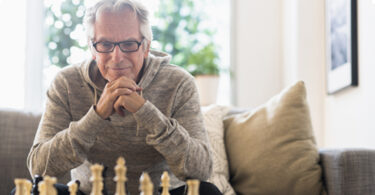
[125, 46]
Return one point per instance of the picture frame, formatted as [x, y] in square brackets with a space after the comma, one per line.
[341, 45]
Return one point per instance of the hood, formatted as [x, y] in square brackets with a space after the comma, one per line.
[155, 59]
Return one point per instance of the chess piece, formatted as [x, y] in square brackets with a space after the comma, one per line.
[120, 178]
[96, 179]
[36, 180]
[146, 185]
[46, 187]
[104, 175]
[23, 186]
[73, 187]
[193, 187]
[165, 183]
[42, 188]
[19, 186]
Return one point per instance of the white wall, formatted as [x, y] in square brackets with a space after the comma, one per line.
[256, 50]
[303, 54]
[278, 42]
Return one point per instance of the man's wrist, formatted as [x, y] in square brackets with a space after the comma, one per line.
[98, 113]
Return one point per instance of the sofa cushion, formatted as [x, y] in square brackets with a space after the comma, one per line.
[213, 118]
[17, 130]
[272, 150]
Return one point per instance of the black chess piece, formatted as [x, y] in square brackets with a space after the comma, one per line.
[104, 173]
[36, 180]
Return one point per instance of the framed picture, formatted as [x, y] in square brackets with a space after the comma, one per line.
[341, 39]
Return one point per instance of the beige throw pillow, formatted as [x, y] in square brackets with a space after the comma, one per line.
[213, 118]
[272, 150]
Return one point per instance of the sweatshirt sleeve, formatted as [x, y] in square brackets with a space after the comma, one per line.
[181, 138]
[61, 144]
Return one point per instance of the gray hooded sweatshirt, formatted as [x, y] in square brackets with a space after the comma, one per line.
[165, 134]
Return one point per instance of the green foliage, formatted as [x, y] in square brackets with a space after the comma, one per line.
[65, 22]
[178, 32]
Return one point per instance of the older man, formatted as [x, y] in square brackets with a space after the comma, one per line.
[126, 101]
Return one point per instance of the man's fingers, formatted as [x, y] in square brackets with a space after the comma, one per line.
[121, 91]
[119, 108]
[124, 82]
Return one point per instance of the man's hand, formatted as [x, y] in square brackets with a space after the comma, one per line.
[132, 102]
[112, 91]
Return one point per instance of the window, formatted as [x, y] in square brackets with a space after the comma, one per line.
[12, 52]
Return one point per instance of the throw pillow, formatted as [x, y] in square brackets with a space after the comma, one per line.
[213, 118]
[272, 150]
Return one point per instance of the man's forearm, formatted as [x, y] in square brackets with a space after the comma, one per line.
[55, 154]
[185, 149]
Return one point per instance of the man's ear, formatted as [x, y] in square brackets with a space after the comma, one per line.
[147, 51]
[92, 49]
[93, 52]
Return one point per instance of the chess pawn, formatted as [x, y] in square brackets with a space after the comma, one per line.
[120, 178]
[96, 179]
[193, 187]
[146, 185]
[46, 187]
[165, 183]
[73, 187]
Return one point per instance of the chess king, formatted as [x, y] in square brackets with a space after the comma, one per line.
[126, 100]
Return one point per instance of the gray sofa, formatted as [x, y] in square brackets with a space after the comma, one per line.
[345, 171]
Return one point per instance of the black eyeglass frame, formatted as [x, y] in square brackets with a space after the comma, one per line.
[118, 44]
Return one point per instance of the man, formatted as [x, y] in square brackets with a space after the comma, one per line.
[126, 101]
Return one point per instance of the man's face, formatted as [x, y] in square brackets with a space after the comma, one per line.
[116, 27]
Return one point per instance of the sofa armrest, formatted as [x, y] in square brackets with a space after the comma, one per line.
[348, 171]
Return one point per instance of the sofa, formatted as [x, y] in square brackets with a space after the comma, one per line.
[342, 171]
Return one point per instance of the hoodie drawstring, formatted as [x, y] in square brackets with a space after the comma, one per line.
[95, 96]
[137, 132]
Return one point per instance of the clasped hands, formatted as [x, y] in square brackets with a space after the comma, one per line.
[117, 95]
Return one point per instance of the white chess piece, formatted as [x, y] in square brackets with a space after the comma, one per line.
[73, 187]
[23, 186]
[146, 185]
[28, 186]
[193, 187]
[46, 186]
[165, 183]
[120, 178]
[96, 179]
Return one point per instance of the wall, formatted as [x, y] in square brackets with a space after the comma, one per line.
[256, 50]
[350, 114]
[276, 43]
[303, 54]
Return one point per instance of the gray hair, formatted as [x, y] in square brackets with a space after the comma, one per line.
[118, 5]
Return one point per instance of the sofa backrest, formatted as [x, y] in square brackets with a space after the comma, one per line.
[17, 131]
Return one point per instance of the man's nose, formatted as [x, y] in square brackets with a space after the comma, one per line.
[117, 54]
